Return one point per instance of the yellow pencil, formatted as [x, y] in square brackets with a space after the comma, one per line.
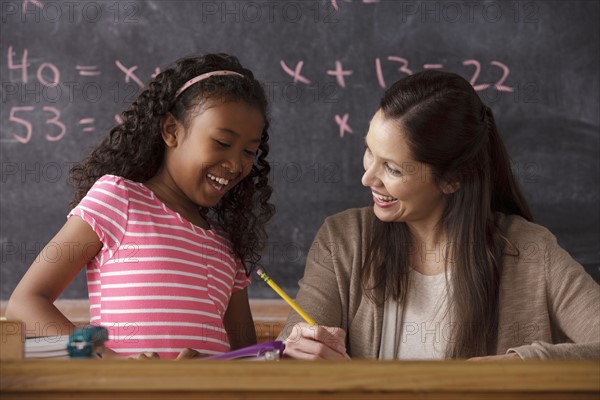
[284, 296]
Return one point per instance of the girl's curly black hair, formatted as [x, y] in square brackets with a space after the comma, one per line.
[135, 149]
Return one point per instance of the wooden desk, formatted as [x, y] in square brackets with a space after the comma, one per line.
[190, 379]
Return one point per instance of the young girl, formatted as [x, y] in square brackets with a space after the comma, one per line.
[169, 214]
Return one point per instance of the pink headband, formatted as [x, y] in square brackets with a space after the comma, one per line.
[202, 77]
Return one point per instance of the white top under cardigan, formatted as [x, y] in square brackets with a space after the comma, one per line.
[419, 329]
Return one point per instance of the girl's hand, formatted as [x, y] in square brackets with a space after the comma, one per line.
[316, 342]
[108, 354]
[144, 356]
[189, 353]
[501, 357]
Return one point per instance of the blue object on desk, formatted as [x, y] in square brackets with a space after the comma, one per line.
[84, 341]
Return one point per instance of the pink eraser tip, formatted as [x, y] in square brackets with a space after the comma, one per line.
[259, 271]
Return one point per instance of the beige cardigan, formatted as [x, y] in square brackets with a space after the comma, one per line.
[545, 296]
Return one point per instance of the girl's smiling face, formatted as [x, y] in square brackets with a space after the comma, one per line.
[403, 189]
[215, 152]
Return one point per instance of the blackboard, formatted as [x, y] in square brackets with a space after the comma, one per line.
[69, 67]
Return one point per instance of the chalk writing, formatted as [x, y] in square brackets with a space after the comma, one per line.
[343, 124]
[296, 72]
[49, 76]
[55, 75]
[403, 68]
[87, 70]
[129, 73]
[36, 3]
[337, 8]
[54, 120]
[28, 128]
[86, 121]
[24, 65]
[340, 74]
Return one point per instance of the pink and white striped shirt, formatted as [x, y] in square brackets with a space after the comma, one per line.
[159, 283]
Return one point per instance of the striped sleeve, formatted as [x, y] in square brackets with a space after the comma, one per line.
[241, 280]
[104, 208]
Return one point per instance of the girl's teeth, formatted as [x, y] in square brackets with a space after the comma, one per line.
[222, 181]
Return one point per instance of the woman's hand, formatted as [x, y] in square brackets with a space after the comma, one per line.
[316, 342]
[501, 357]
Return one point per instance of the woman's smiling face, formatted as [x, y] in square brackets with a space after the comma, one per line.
[403, 189]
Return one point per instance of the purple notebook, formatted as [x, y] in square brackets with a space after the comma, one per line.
[262, 351]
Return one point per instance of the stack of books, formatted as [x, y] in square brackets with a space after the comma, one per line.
[47, 347]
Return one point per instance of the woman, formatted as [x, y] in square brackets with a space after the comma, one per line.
[448, 262]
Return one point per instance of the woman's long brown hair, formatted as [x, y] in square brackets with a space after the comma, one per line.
[450, 129]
